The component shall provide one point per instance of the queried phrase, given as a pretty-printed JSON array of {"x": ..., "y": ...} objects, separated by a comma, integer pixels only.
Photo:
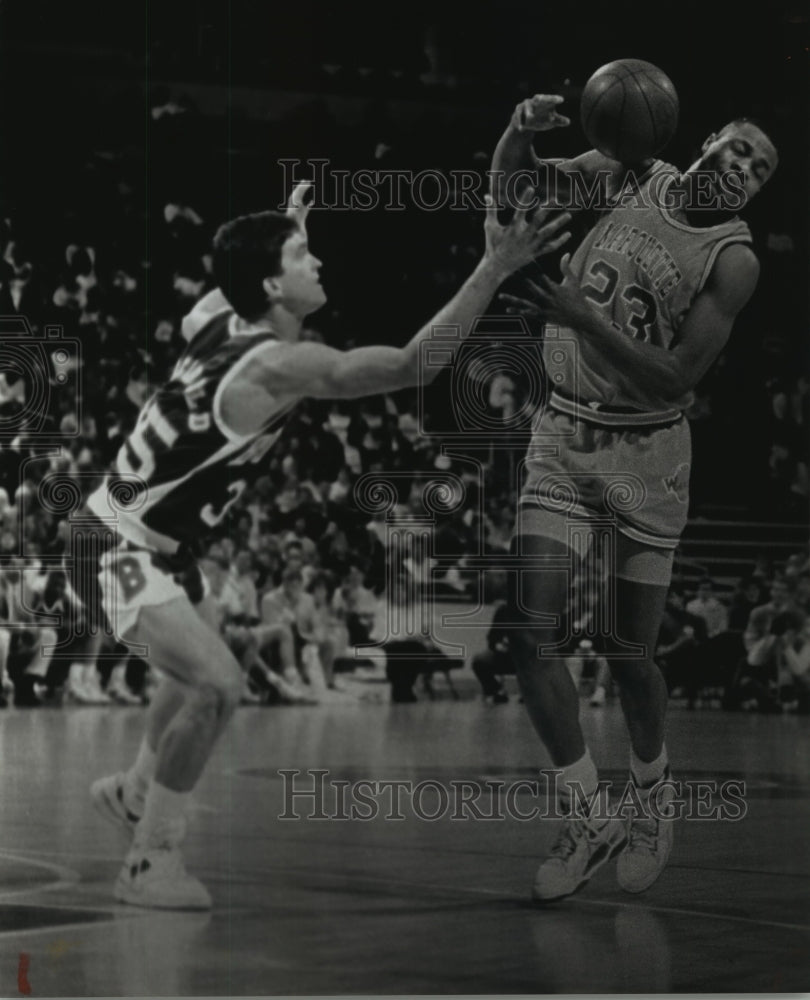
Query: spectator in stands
[
  {"x": 587, "y": 662},
  {"x": 801, "y": 595},
  {"x": 355, "y": 605},
  {"x": 747, "y": 596},
  {"x": 334, "y": 550},
  {"x": 755, "y": 683},
  {"x": 762, "y": 672},
  {"x": 29, "y": 650},
  {"x": 706, "y": 606},
  {"x": 412, "y": 653},
  {"x": 292, "y": 606},
  {"x": 326, "y": 631},
  {"x": 298, "y": 535},
  {"x": 679, "y": 642},
  {"x": 244, "y": 582},
  {"x": 795, "y": 650},
  {"x": 296, "y": 558},
  {"x": 759, "y": 623},
  {"x": 491, "y": 664}
]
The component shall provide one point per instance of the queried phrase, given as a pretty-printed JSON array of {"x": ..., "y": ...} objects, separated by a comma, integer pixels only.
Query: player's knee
[
  {"x": 635, "y": 672},
  {"x": 218, "y": 696},
  {"x": 526, "y": 644}
]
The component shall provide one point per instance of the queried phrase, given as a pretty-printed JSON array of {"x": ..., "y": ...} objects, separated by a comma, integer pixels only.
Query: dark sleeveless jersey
[{"x": 181, "y": 469}]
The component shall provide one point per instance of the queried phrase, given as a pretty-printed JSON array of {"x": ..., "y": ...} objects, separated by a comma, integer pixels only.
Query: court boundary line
[
  {"x": 481, "y": 891},
  {"x": 393, "y": 882}
]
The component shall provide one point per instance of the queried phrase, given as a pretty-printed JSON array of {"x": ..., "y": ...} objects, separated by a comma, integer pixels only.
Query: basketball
[{"x": 629, "y": 110}]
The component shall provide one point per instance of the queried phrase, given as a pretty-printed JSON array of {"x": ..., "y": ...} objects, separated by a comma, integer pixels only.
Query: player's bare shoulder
[
  {"x": 280, "y": 373},
  {"x": 209, "y": 306}
]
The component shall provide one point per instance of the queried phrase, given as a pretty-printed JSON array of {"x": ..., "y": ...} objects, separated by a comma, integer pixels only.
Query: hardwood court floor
[{"x": 393, "y": 907}]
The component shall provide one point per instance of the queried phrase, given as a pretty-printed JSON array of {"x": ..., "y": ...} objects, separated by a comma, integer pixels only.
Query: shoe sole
[
  {"x": 123, "y": 894},
  {"x": 614, "y": 850}
]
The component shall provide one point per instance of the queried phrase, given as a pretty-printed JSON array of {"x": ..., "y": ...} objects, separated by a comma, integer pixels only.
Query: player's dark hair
[
  {"x": 756, "y": 122},
  {"x": 246, "y": 251}
]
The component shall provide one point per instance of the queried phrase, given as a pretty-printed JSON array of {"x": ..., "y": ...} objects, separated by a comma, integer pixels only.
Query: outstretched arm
[
  {"x": 515, "y": 164},
  {"x": 308, "y": 369}
]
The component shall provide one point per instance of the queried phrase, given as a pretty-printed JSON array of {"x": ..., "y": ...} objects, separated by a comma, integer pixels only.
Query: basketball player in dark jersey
[
  {"x": 198, "y": 442},
  {"x": 646, "y": 304}
]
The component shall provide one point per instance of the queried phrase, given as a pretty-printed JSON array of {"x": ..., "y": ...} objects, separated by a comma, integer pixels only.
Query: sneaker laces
[
  {"x": 643, "y": 834},
  {"x": 571, "y": 835}
]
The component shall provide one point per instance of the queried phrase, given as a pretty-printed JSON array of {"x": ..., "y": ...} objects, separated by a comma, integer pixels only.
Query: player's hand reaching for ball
[
  {"x": 299, "y": 204},
  {"x": 562, "y": 303},
  {"x": 525, "y": 237},
  {"x": 539, "y": 114}
]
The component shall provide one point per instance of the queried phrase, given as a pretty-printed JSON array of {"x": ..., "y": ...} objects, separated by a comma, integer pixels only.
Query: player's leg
[
  {"x": 210, "y": 684},
  {"x": 540, "y": 603},
  {"x": 640, "y": 578},
  {"x": 147, "y": 606},
  {"x": 121, "y": 797},
  {"x": 484, "y": 666},
  {"x": 642, "y": 582}
]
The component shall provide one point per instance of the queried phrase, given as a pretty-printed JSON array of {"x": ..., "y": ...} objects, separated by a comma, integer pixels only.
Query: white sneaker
[
  {"x": 93, "y": 690},
  {"x": 157, "y": 878},
  {"x": 121, "y": 694},
  {"x": 76, "y": 692},
  {"x": 598, "y": 697},
  {"x": 107, "y": 795},
  {"x": 649, "y": 840},
  {"x": 581, "y": 849},
  {"x": 250, "y": 697}
]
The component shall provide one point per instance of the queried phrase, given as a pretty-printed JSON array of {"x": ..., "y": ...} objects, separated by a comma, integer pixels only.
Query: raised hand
[
  {"x": 298, "y": 205},
  {"x": 561, "y": 303},
  {"x": 539, "y": 114},
  {"x": 524, "y": 237}
]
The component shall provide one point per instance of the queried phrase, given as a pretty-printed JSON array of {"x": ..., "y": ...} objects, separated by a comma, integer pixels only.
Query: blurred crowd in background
[{"x": 105, "y": 232}]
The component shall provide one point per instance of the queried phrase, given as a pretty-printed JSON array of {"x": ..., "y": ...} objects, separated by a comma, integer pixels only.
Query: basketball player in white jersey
[
  {"x": 197, "y": 443},
  {"x": 649, "y": 299}
]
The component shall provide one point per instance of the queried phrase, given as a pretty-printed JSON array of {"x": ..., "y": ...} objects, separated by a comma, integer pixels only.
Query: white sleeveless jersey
[
  {"x": 181, "y": 469},
  {"x": 641, "y": 269}
]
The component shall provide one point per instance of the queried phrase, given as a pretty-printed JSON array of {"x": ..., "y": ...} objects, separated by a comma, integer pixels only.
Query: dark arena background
[{"x": 130, "y": 132}]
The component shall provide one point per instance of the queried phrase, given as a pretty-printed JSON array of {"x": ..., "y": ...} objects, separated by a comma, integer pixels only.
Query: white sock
[
  {"x": 646, "y": 774},
  {"x": 163, "y": 823},
  {"x": 91, "y": 677},
  {"x": 118, "y": 677},
  {"x": 581, "y": 773},
  {"x": 137, "y": 778}
]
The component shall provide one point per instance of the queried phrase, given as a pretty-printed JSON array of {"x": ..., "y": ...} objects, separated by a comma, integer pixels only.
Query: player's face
[
  {"x": 299, "y": 284},
  {"x": 743, "y": 148}
]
